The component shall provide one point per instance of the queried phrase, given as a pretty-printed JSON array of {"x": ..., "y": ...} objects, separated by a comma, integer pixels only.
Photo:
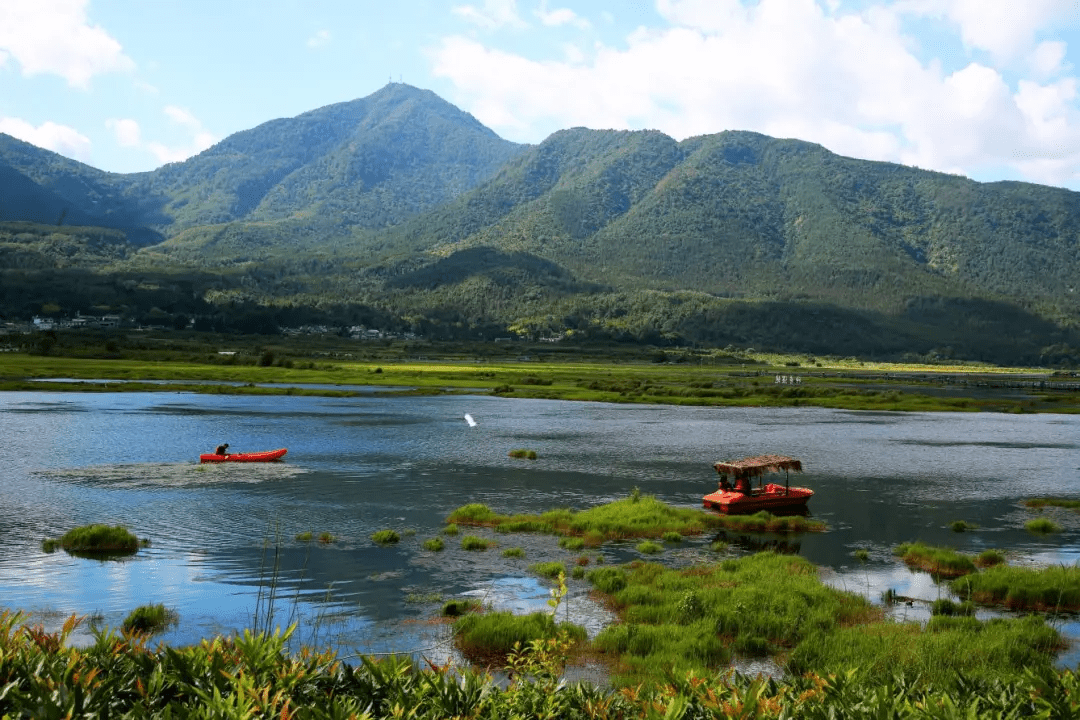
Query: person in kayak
[{"x": 222, "y": 449}]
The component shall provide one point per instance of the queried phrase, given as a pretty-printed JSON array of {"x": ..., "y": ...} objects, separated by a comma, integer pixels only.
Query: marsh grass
[
  {"x": 672, "y": 537},
  {"x": 862, "y": 555},
  {"x": 948, "y": 648},
  {"x": 629, "y": 518},
  {"x": 1050, "y": 589},
  {"x": 938, "y": 561},
  {"x": 450, "y": 529},
  {"x": 989, "y": 558},
  {"x": 149, "y": 619},
  {"x": 304, "y": 537},
  {"x": 514, "y": 552},
  {"x": 1066, "y": 503},
  {"x": 572, "y": 543},
  {"x": 472, "y": 542},
  {"x": 326, "y": 538},
  {"x": 99, "y": 539},
  {"x": 648, "y": 547},
  {"x": 692, "y": 619},
  {"x": 457, "y": 608},
  {"x": 548, "y": 569},
  {"x": 488, "y": 639},
  {"x": 385, "y": 537},
  {"x": 766, "y": 522},
  {"x": 522, "y": 453},
  {"x": 962, "y": 526},
  {"x": 434, "y": 544},
  {"x": 1042, "y": 526}
]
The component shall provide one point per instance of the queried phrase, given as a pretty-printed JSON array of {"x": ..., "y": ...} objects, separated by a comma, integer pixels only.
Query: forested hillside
[{"x": 401, "y": 209}]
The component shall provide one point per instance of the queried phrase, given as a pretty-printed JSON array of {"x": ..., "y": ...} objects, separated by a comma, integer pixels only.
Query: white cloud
[
  {"x": 61, "y": 139},
  {"x": 126, "y": 131},
  {"x": 798, "y": 68},
  {"x": 182, "y": 116},
  {"x": 200, "y": 140},
  {"x": 559, "y": 17},
  {"x": 492, "y": 14},
  {"x": 55, "y": 37},
  {"x": 319, "y": 39}
]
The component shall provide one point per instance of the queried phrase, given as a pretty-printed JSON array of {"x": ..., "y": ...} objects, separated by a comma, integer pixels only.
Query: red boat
[
  {"x": 267, "y": 456},
  {"x": 738, "y": 496}
]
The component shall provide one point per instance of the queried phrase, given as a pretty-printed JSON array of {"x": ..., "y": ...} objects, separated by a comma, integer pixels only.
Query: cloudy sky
[{"x": 985, "y": 88}]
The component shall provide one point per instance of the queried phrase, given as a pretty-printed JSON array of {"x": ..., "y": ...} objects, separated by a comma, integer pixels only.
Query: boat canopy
[{"x": 756, "y": 466}]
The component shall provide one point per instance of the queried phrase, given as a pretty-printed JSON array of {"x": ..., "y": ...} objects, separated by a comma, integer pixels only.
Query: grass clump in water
[
  {"x": 514, "y": 552},
  {"x": 989, "y": 558},
  {"x": 962, "y": 526},
  {"x": 1066, "y": 503},
  {"x": 572, "y": 543},
  {"x": 457, "y": 608},
  {"x": 99, "y": 539},
  {"x": 304, "y": 536},
  {"x": 149, "y": 619},
  {"x": 649, "y": 547},
  {"x": 385, "y": 537},
  {"x": 675, "y": 621},
  {"x": 766, "y": 522},
  {"x": 450, "y": 529},
  {"x": 672, "y": 537},
  {"x": 521, "y": 453},
  {"x": 1042, "y": 526},
  {"x": 326, "y": 538},
  {"x": 548, "y": 569},
  {"x": 943, "y": 562},
  {"x": 434, "y": 544},
  {"x": 862, "y": 554},
  {"x": 1055, "y": 588},
  {"x": 488, "y": 639},
  {"x": 472, "y": 542}
]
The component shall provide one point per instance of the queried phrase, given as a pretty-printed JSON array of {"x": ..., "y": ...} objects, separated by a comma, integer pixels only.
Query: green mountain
[{"x": 400, "y": 207}]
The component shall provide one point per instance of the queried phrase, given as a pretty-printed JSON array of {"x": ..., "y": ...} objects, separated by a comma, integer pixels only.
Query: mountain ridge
[{"x": 401, "y": 202}]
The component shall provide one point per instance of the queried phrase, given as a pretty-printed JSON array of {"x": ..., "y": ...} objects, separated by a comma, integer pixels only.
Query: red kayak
[{"x": 267, "y": 456}]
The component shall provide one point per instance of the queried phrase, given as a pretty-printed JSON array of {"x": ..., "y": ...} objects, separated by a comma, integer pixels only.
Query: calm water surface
[{"x": 223, "y": 536}]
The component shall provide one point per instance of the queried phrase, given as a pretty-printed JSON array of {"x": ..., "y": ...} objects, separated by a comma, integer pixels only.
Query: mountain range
[{"x": 401, "y": 211}]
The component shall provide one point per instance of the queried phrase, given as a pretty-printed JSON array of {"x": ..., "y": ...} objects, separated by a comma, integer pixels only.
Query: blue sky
[{"x": 983, "y": 88}]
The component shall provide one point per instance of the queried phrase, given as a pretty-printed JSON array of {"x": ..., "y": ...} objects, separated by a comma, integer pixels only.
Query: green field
[{"x": 688, "y": 377}]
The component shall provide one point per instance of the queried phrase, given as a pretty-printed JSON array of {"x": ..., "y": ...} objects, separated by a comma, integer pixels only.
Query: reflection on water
[{"x": 224, "y": 550}]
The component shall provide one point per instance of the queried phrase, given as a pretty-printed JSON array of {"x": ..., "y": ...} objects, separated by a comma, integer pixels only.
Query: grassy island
[{"x": 97, "y": 539}]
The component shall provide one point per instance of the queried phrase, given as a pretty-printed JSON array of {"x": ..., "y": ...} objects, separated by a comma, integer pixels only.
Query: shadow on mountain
[{"x": 501, "y": 268}]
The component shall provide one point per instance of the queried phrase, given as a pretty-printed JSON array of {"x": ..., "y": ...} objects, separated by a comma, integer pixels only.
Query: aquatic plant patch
[
  {"x": 692, "y": 619},
  {"x": 1067, "y": 503},
  {"x": 385, "y": 537},
  {"x": 98, "y": 538},
  {"x": 1042, "y": 526},
  {"x": 1050, "y": 589},
  {"x": 943, "y": 562},
  {"x": 766, "y": 522},
  {"x": 487, "y": 639},
  {"x": 149, "y": 619}
]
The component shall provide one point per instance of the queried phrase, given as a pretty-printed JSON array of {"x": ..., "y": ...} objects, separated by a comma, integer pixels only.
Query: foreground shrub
[{"x": 252, "y": 675}]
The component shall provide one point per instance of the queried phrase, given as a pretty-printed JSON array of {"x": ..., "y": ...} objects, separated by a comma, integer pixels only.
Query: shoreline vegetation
[{"x": 703, "y": 378}]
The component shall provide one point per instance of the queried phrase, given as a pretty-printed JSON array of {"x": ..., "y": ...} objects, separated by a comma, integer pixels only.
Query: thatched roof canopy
[{"x": 755, "y": 466}]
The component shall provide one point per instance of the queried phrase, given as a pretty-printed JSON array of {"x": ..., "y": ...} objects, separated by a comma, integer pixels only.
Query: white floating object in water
[{"x": 468, "y": 419}]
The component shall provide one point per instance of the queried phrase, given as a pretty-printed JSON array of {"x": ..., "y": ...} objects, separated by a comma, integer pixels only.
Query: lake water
[{"x": 223, "y": 537}]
